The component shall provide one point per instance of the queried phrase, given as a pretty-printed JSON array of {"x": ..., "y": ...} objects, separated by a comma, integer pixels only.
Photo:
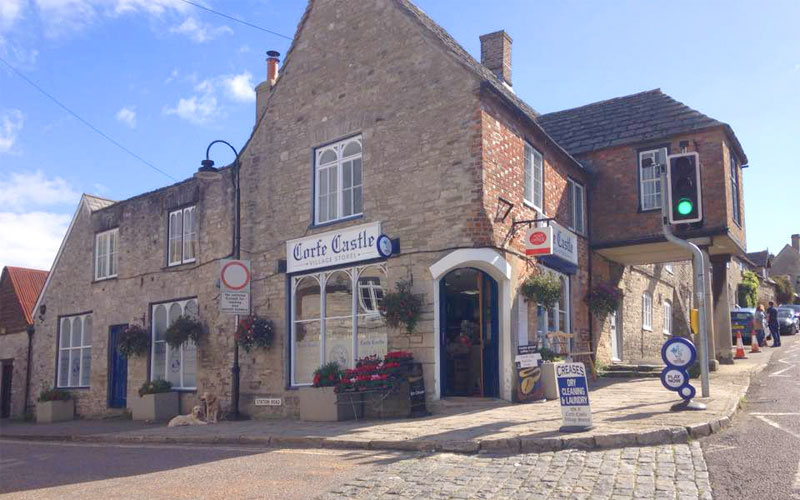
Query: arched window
[
  {"x": 338, "y": 181},
  {"x": 178, "y": 366}
]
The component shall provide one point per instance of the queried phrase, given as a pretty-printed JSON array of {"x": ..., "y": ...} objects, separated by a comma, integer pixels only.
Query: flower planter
[
  {"x": 48, "y": 412},
  {"x": 159, "y": 406},
  {"x": 549, "y": 382},
  {"x": 322, "y": 404}
]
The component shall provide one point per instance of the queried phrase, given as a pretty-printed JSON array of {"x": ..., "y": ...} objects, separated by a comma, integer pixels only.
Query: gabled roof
[
  {"x": 92, "y": 203},
  {"x": 760, "y": 259},
  {"x": 27, "y": 284},
  {"x": 623, "y": 120}
]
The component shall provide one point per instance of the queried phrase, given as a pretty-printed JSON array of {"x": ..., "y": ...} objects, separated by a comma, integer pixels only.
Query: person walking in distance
[
  {"x": 758, "y": 324},
  {"x": 774, "y": 327}
]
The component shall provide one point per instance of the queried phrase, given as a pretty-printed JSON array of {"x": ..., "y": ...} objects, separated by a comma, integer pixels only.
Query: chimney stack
[
  {"x": 496, "y": 54},
  {"x": 796, "y": 242},
  {"x": 263, "y": 88}
]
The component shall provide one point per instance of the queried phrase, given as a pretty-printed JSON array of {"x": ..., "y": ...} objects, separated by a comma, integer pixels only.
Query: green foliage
[
  {"x": 184, "y": 328},
  {"x": 133, "y": 341},
  {"x": 785, "y": 293},
  {"x": 549, "y": 355},
  {"x": 328, "y": 375},
  {"x": 402, "y": 307},
  {"x": 53, "y": 395},
  {"x": 603, "y": 299},
  {"x": 542, "y": 288},
  {"x": 748, "y": 289},
  {"x": 254, "y": 331},
  {"x": 155, "y": 387}
]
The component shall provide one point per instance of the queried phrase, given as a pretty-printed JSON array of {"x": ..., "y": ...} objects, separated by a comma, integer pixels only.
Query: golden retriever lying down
[{"x": 190, "y": 419}]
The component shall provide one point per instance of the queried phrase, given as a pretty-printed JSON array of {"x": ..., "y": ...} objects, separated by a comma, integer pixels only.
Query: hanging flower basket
[
  {"x": 133, "y": 341},
  {"x": 402, "y": 307},
  {"x": 254, "y": 331},
  {"x": 327, "y": 375},
  {"x": 542, "y": 288},
  {"x": 603, "y": 299},
  {"x": 184, "y": 328}
]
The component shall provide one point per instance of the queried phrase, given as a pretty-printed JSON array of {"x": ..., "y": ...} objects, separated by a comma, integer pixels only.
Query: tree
[
  {"x": 785, "y": 293},
  {"x": 748, "y": 289}
]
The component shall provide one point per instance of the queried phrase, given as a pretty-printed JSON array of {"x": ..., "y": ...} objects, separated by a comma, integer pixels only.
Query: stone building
[
  {"x": 19, "y": 288},
  {"x": 787, "y": 263},
  {"x": 416, "y": 164}
]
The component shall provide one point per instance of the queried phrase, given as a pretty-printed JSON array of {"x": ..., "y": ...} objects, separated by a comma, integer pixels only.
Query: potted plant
[
  {"x": 319, "y": 403},
  {"x": 603, "y": 299},
  {"x": 54, "y": 405},
  {"x": 402, "y": 307},
  {"x": 254, "y": 331},
  {"x": 133, "y": 341},
  {"x": 184, "y": 328},
  {"x": 156, "y": 401},
  {"x": 549, "y": 383}
]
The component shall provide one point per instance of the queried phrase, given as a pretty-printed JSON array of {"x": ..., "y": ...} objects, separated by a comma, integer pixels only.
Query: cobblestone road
[{"x": 659, "y": 472}]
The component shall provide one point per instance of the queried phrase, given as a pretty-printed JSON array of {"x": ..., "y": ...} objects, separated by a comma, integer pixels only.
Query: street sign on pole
[{"x": 234, "y": 284}]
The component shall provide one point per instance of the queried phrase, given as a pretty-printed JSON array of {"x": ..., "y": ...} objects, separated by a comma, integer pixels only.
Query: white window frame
[
  {"x": 667, "y": 310},
  {"x": 668, "y": 268},
  {"x": 70, "y": 350},
  {"x": 185, "y": 236},
  {"x": 735, "y": 200},
  {"x": 647, "y": 312},
  {"x": 339, "y": 164},
  {"x": 167, "y": 350},
  {"x": 658, "y": 190},
  {"x": 578, "y": 199},
  {"x": 106, "y": 254},
  {"x": 534, "y": 178},
  {"x": 544, "y": 316},
  {"x": 322, "y": 277}
]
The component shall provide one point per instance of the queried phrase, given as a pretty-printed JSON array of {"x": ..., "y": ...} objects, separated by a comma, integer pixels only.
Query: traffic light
[{"x": 684, "y": 200}]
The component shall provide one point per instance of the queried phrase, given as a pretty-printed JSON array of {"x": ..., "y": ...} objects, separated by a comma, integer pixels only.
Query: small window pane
[
  {"x": 159, "y": 322},
  {"x": 357, "y": 172},
  {"x": 352, "y": 148},
  {"x": 189, "y": 234},
  {"x": 190, "y": 364},
  {"x": 77, "y": 331},
  {"x": 63, "y": 368},
  {"x": 66, "y": 328},
  {"x": 87, "y": 331},
  {"x": 348, "y": 202},
  {"x": 86, "y": 361},
  {"x": 159, "y": 360},
  {"x": 347, "y": 173},
  {"x": 329, "y": 156},
  {"x": 174, "y": 366},
  {"x": 174, "y": 312},
  {"x": 357, "y": 202},
  {"x": 74, "y": 367}
]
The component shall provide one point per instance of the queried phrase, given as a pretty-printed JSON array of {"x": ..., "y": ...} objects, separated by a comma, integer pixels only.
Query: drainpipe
[
  {"x": 589, "y": 251},
  {"x": 31, "y": 330}
]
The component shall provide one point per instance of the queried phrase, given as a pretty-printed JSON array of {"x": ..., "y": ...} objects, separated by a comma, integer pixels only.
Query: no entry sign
[{"x": 234, "y": 284}]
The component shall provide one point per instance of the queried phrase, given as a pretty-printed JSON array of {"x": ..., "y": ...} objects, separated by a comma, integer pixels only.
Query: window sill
[
  {"x": 668, "y": 334},
  {"x": 107, "y": 278},
  {"x": 181, "y": 264},
  {"x": 647, "y": 329},
  {"x": 648, "y": 210},
  {"x": 534, "y": 207},
  {"x": 178, "y": 389},
  {"x": 332, "y": 222},
  {"x": 77, "y": 388}
]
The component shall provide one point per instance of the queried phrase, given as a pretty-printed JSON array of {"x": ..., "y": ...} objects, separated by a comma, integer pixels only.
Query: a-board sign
[
  {"x": 573, "y": 394},
  {"x": 678, "y": 354},
  {"x": 234, "y": 285},
  {"x": 416, "y": 391}
]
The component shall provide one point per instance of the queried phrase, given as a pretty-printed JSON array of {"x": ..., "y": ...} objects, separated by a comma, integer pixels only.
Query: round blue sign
[
  {"x": 384, "y": 246},
  {"x": 678, "y": 352}
]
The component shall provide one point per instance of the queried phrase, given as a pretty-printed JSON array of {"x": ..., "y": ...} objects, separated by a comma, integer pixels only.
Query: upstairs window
[
  {"x": 667, "y": 317},
  {"x": 668, "y": 268},
  {"x": 647, "y": 311},
  {"x": 650, "y": 163},
  {"x": 338, "y": 183},
  {"x": 105, "y": 254},
  {"x": 534, "y": 178},
  {"x": 74, "y": 351},
  {"x": 577, "y": 205},
  {"x": 735, "y": 190},
  {"x": 182, "y": 236}
]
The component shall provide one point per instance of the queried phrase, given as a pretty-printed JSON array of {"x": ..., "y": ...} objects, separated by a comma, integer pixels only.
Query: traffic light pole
[{"x": 699, "y": 269}]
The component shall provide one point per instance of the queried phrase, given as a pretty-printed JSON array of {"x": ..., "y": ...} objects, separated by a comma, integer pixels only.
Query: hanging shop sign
[
  {"x": 234, "y": 284},
  {"x": 573, "y": 393},
  {"x": 333, "y": 248},
  {"x": 554, "y": 240}
]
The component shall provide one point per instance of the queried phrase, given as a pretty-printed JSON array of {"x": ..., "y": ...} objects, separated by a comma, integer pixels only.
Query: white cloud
[
  {"x": 127, "y": 116},
  {"x": 43, "y": 232},
  {"x": 240, "y": 87},
  {"x": 153, "y": 7},
  {"x": 63, "y": 17},
  {"x": 199, "y": 108},
  {"x": 10, "y": 12},
  {"x": 21, "y": 191},
  {"x": 10, "y": 125},
  {"x": 199, "y": 31}
]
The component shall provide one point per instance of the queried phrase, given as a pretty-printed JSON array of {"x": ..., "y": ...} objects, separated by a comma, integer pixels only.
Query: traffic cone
[
  {"x": 754, "y": 343},
  {"x": 739, "y": 346}
]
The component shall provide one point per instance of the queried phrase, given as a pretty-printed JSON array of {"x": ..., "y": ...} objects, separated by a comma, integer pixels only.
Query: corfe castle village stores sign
[{"x": 333, "y": 248}]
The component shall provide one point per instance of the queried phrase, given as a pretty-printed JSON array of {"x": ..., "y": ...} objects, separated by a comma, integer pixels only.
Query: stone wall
[{"x": 14, "y": 348}]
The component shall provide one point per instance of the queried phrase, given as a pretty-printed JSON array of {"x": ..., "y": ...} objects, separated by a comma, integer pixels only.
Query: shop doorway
[
  {"x": 5, "y": 389},
  {"x": 469, "y": 334},
  {"x": 117, "y": 370}
]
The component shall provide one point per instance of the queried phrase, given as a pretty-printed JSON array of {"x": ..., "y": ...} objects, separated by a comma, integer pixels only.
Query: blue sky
[{"x": 165, "y": 78}]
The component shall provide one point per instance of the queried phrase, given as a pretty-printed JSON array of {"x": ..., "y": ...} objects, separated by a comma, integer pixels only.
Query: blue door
[
  {"x": 117, "y": 369},
  {"x": 469, "y": 334}
]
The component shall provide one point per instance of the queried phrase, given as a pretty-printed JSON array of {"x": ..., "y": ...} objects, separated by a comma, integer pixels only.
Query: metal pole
[
  {"x": 698, "y": 266},
  {"x": 235, "y": 370}
]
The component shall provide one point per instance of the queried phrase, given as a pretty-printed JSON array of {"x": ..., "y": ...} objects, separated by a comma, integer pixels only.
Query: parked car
[
  {"x": 793, "y": 307},
  {"x": 742, "y": 321},
  {"x": 788, "y": 321}
]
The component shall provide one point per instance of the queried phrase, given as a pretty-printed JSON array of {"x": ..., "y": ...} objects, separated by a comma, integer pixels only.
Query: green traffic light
[{"x": 685, "y": 206}]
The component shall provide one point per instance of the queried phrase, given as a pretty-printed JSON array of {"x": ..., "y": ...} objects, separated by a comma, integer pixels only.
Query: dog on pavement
[
  {"x": 211, "y": 404},
  {"x": 191, "y": 419}
]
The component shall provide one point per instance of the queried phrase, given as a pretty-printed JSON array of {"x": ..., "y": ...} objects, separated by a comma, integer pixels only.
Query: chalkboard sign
[
  {"x": 529, "y": 374},
  {"x": 416, "y": 390}
]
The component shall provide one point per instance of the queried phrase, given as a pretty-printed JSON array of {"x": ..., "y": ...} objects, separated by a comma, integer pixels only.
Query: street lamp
[{"x": 207, "y": 170}]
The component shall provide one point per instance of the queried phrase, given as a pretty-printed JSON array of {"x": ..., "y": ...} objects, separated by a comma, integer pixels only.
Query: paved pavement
[
  {"x": 64, "y": 471},
  {"x": 759, "y": 455},
  {"x": 661, "y": 472},
  {"x": 626, "y": 412}
]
